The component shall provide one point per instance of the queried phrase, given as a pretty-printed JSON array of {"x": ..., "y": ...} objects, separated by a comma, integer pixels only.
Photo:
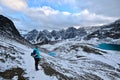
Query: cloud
[
  {"x": 66, "y": 13},
  {"x": 101, "y": 7},
  {"x": 48, "y": 11},
  {"x": 87, "y": 18},
  {"x": 61, "y": 2},
  {"x": 47, "y": 18},
  {"x": 88, "y": 13},
  {"x": 57, "y": 2},
  {"x": 14, "y": 4},
  {"x": 0, "y": 8}
]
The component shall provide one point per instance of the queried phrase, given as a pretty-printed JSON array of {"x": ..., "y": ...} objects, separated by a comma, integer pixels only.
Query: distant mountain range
[
  {"x": 101, "y": 32},
  {"x": 45, "y": 36},
  {"x": 110, "y": 31}
]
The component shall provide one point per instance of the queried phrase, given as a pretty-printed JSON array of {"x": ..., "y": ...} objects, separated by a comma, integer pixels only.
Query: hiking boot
[{"x": 37, "y": 69}]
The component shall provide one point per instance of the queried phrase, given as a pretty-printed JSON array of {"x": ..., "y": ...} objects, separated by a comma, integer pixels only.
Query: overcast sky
[{"x": 59, "y": 14}]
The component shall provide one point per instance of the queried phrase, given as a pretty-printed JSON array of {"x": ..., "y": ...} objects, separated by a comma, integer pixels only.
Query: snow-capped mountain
[
  {"x": 74, "y": 60},
  {"x": 91, "y": 29},
  {"x": 107, "y": 31},
  {"x": 101, "y": 32},
  {"x": 32, "y": 35},
  {"x": 45, "y": 36}
]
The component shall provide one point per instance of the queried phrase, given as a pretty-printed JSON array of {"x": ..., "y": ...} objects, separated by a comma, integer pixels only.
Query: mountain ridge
[
  {"x": 102, "y": 32},
  {"x": 107, "y": 31},
  {"x": 45, "y": 36},
  {"x": 7, "y": 27},
  {"x": 8, "y": 30}
]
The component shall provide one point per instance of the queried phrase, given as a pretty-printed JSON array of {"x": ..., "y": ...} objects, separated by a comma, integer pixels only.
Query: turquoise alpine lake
[
  {"x": 109, "y": 46},
  {"x": 52, "y": 54}
]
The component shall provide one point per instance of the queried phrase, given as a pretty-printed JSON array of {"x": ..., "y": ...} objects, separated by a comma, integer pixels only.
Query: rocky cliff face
[
  {"x": 8, "y": 30},
  {"x": 7, "y": 27}
]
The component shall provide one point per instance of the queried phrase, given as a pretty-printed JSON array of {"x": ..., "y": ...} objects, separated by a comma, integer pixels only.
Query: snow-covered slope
[
  {"x": 76, "y": 60},
  {"x": 16, "y": 62}
]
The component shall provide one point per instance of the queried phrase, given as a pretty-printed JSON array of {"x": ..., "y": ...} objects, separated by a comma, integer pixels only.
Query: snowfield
[
  {"x": 16, "y": 55},
  {"x": 74, "y": 60},
  {"x": 80, "y": 60}
]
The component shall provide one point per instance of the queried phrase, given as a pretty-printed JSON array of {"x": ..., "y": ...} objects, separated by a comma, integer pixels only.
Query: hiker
[{"x": 36, "y": 55}]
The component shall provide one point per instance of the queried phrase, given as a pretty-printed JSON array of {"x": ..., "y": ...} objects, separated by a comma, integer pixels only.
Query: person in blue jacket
[{"x": 36, "y": 55}]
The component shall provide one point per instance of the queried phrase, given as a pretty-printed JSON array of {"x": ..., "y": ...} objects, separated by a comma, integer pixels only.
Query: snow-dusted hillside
[
  {"x": 16, "y": 62},
  {"x": 74, "y": 60},
  {"x": 77, "y": 60}
]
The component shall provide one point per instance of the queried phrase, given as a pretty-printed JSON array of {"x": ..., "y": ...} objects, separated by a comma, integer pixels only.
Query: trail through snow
[
  {"x": 27, "y": 64},
  {"x": 30, "y": 69}
]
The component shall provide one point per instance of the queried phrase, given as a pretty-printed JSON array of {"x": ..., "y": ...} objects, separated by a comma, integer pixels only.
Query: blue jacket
[{"x": 37, "y": 53}]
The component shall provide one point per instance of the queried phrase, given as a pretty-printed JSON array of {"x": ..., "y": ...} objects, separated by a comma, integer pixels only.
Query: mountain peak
[
  {"x": 34, "y": 31},
  {"x": 45, "y": 35},
  {"x": 7, "y": 27},
  {"x": 117, "y": 21}
]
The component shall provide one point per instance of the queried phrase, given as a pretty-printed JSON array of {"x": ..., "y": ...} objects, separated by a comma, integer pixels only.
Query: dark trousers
[{"x": 36, "y": 63}]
